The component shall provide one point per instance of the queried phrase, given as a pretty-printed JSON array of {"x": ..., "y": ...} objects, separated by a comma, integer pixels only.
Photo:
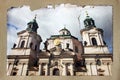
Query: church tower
[
  {"x": 93, "y": 38},
  {"x": 23, "y": 56},
  {"x": 97, "y": 57}
]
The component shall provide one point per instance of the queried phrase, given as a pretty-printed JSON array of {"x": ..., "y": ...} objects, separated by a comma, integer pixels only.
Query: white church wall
[
  {"x": 19, "y": 52},
  {"x": 96, "y": 50},
  {"x": 19, "y": 72},
  {"x": 94, "y": 69}
]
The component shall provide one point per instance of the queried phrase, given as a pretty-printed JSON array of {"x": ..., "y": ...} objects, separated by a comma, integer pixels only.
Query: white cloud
[{"x": 52, "y": 19}]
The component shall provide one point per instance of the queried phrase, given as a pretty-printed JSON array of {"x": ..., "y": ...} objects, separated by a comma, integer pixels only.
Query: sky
[{"x": 51, "y": 19}]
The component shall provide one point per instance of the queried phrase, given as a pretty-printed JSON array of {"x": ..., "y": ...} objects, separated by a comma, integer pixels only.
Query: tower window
[
  {"x": 67, "y": 45},
  {"x": 14, "y": 45},
  {"x": 85, "y": 43},
  {"x": 63, "y": 33},
  {"x": 89, "y": 22},
  {"x": 94, "y": 42},
  {"x": 22, "y": 44}
]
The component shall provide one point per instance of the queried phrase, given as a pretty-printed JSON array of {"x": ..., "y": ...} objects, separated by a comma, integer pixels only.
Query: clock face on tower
[{"x": 57, "y": 42}]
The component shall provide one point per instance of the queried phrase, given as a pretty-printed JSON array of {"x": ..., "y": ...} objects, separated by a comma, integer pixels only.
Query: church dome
[
  {"x": 64, "y": 31},
  {"x": 89, "y": 22}
]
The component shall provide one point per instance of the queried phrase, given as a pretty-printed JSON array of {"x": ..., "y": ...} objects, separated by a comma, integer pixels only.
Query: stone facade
[{"x": 63, "y": 54}]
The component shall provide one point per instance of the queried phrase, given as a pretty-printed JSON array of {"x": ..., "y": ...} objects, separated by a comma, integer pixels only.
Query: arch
[
  {"x": 67, "y": 45},
  {"x": 56, "y": 72},
  {"x": 94, "y": 42},
  {"x": 22, "y": 44}
]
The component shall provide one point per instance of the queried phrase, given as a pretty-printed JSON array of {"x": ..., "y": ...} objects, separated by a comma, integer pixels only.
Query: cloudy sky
[{"x": 53, "y": 18}]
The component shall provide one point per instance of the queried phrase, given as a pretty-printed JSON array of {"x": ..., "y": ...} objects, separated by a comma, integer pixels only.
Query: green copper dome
[{"x": 89, "y": 22}]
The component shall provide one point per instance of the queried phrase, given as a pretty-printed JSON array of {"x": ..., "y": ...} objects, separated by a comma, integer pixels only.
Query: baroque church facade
[{"x": 63, "y": 54}]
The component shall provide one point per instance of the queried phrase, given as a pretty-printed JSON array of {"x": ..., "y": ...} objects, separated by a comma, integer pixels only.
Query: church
[{"x": 63, "y": 54}]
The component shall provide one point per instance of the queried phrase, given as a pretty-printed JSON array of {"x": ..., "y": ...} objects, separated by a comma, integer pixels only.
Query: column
[
  {"x": 88, "y": 69},
  {"x": 46, "y": 69},
  {"x": 24, "y": 71},
  {"x": 19, "y": 40},
  {"x": 39, "y": 71},
  {"x": 8, "y": 65},
  {"x": 88, "y": 36},
  {"x": 109, "y": 69},
  {"x": 10, "y": 69},
  {"x": 71, "y": 65},
  {"x": 64, "y": 70},
  {"x": 101, "y": 39},
  {"x": 27, "y": 43},
  {"x": 19, "y": 69}
]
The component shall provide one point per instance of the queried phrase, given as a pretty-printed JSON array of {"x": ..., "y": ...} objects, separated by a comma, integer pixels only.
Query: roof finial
[
  {"x": 64, "y": 26},
  {"x": 35, "y": 16}
]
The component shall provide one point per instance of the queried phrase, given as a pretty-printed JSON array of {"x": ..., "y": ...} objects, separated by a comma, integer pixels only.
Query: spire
[
  {"x": 86, "y": 13},
  {"x": 32, "y": 25},
  {"x": 89, "y": 22},
  {"x": 35, "y": 17}
]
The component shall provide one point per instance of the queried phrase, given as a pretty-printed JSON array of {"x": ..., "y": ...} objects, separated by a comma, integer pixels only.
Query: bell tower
[
  {"x": 96, "y": 54},
  {"x": 93, "y": 38},
  {"x": 23, "y": 55}
]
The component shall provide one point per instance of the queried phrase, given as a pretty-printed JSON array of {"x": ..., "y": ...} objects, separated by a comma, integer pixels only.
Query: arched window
[
  {"x": 63, "y": 33},
  {"x": 22, "y": 44},
  {"x": 56, "y": 72},
  {"x": 14, "y": 45},
  {"x": 67, "y": 45},
  {"x": 94, "y": 42}
]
